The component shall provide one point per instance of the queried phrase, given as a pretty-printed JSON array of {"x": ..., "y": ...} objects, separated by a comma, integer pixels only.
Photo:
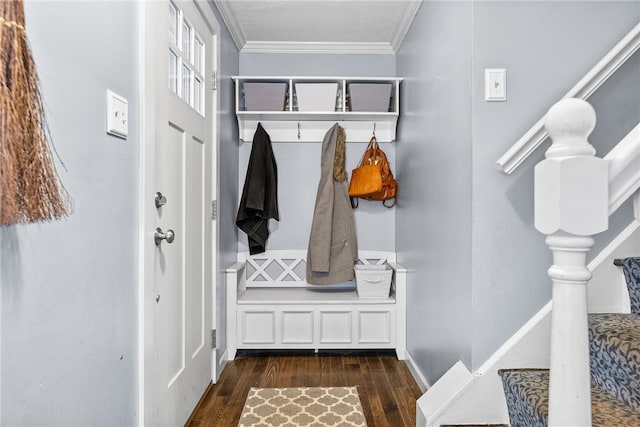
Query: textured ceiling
[{"x": 347, "y": 26}]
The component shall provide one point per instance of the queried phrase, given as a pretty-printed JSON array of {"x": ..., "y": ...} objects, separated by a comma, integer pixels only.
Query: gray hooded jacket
[{"x": 333, "y": 247}]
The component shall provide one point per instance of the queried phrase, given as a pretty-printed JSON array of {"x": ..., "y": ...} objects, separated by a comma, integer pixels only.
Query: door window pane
[
  {"x": 186, "y": 84},
  {"x": 186, "y": 63},
  {"x": 186, "y": 40},
  {"x": 173, "y": 24},
  {"x": 197, "y": 95},
  {"x": 173, "y": 71},
  {"x": 198, "y": 52}
]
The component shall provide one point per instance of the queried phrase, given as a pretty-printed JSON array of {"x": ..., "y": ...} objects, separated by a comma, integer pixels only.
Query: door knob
[
  {"x": 159, "y": 236},
  {"x": 160, "y": 200}
]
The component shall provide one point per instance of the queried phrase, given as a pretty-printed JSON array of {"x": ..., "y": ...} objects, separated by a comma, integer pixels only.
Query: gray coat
[{"x": 333, "y": 247}]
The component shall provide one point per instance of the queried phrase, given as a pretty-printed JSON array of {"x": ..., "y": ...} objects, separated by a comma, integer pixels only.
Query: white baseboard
[
  {"x": 416, "y": 372},
  {"x": 222, "y": 362},
  {"x": 462, "y": 397},
  {"x": 607, "y": 290}
]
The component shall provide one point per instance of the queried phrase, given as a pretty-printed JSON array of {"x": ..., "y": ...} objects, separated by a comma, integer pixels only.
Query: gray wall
[
  {"x": 433, "y": 228},
  {"x": 69, "y": 288},
  {"x": 299, "y": 163},
  {"x": 475, "y": 256}
]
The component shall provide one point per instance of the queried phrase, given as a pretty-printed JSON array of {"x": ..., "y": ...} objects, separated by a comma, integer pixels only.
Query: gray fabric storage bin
[
  {"x": 264, "y": 96},
  {"x": 370, "y": 96}
]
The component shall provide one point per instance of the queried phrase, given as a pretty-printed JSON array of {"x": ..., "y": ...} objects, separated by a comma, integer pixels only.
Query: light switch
[
  {"x": 117, "y": 115},
  {"x": 495, "y": 84}
]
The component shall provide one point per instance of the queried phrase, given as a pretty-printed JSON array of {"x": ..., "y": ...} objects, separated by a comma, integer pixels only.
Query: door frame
[{"x": 148, "y": 27}]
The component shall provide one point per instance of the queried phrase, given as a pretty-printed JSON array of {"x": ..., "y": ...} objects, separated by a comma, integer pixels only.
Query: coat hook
[
  {"x": 298, "y": 131},
  {"x": 374, "y": 128}
]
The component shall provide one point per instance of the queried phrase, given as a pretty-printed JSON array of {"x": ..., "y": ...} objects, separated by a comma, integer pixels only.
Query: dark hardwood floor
[{"x": 387, "y": 390}]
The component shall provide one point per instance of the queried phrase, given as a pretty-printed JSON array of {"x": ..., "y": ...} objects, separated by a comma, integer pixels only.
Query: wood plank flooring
[{"x": 387, "y": 390}]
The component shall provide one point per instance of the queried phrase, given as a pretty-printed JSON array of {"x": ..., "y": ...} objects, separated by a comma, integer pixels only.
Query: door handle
[
  {"x": 160, "y": 200},
  {"x": 159, "y": 236}
]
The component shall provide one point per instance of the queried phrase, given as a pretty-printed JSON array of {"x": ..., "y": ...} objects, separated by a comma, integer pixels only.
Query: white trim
[
  {"x": 317, "y": 47},
  {"x": 624, "y": 169},
  {"x": 607, "y": 290},
  {"x": 462, "y": 397},
  {"x": 252, "y": 46},
  {"x": 144, "y": 151},
  {"x": 405, "y": 23},
  {"x": 607, "y": 252},
  {"x": 222, "y": 362},
  {"x": 530, "y": 325},
  {"x": 442, "y": 394},
  {"x": 417, "y": 374},
  {"x": 608, "y": 65},
  {"x": 232, "y": 24},
  {"x": 206, "y": 11}
]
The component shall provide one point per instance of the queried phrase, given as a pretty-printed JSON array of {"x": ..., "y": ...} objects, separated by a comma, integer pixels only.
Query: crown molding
[
  {"x": 317, "y": 47},
  {"x": 404, "y": 25},
  {"x": 231, "y": 22}
]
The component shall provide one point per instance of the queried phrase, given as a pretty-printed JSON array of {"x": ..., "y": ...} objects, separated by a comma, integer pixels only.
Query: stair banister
[
  {"x": 571, "y": 205},
  {"x": 591, "y": 81},
  {"x": 624, "y": 169}
]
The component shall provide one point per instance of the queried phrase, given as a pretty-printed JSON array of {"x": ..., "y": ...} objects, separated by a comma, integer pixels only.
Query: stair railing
[
  {"x": 591, "y": 81},
  {"x": 571, "y": 205},
  {"x": 624, "y": 172}
]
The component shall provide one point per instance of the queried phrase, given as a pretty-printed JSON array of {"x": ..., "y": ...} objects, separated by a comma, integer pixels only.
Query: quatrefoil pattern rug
[{"x": 303, "y": 406}]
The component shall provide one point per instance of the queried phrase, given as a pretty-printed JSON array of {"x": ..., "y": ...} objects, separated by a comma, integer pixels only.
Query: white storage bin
[
  {"x": 316, "y": 96},
  {"x": 373, "y": 97},
  {"x": 264, "y": 96},
  {"x": 373, "y": 281}
]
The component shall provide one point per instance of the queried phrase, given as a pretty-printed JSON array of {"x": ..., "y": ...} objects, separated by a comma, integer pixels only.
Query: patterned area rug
[{"x": 303, "y": 406}]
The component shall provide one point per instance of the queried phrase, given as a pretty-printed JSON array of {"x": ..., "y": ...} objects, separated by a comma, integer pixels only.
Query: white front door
[{"x": 179, "y": 290}]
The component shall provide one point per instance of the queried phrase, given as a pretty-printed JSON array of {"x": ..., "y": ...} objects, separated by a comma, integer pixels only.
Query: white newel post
[{"x": 571, "y": 205}]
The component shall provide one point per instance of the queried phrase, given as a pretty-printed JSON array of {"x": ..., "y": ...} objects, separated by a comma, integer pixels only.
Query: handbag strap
[
  {"x": 373, "y": 145},
  {"x": 354, "y": 202}
]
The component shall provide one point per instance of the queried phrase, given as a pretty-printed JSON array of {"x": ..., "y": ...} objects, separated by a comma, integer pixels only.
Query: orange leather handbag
[{"x": 372, "y": 179}]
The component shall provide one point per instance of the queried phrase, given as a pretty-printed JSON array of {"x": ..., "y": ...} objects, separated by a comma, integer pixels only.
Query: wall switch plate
[
  {"x": 117, "y": 115},
  {"x": 495, "y": 84}
]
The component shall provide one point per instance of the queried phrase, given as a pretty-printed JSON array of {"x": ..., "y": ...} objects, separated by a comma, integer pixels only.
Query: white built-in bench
[{"x": 270, "y": 306}]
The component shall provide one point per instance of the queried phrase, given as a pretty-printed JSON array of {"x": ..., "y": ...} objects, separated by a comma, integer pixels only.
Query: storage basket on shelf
[
  {"x": 316, "y": 96},
  {"x": 373, "y": 281},
  {"x": 372, "y": 97},
  {"x": 264, "y": 96}
]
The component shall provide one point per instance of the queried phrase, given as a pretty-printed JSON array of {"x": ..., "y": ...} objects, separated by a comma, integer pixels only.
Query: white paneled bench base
[{"x": 271, "y": 307}]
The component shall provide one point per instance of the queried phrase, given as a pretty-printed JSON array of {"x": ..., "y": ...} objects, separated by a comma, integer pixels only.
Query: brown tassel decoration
[{"x": 30, "y": 189}]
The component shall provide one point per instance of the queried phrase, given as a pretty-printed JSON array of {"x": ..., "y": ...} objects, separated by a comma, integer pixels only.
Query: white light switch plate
[
  {"x": 117, "y": 115},
  {"x": 495, "y": 84}
]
